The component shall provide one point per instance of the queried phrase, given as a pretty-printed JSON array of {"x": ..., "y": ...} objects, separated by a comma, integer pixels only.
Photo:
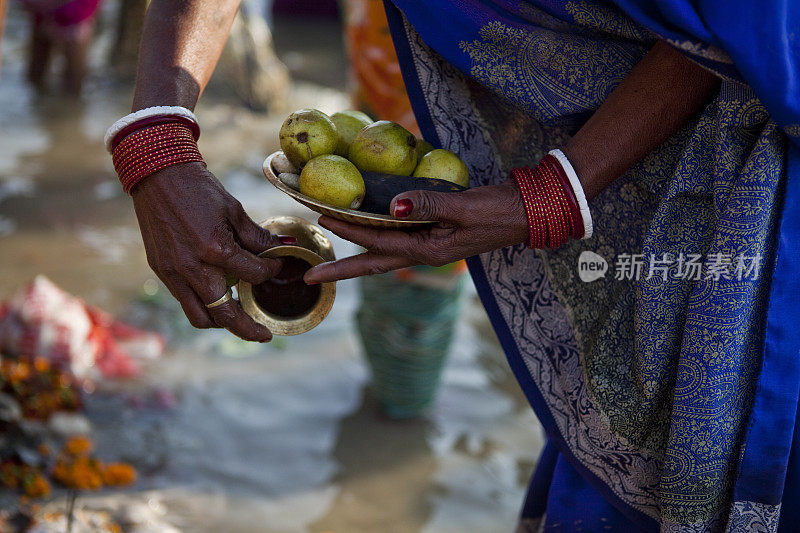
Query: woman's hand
[
  {"x": 468, "y": 223},
  {"x": 195, "y": 233}
]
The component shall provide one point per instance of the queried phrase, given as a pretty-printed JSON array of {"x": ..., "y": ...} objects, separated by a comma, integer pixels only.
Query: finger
[
  {"x": 255, "y": 239},
  {"x": 365, "y": 264},
  {"x": 210, "y": 286},
  {"x": 191, "y": 304},
  {"x": 251, "y": 236},
  {"x": 231, "y": 280},
  {"x": 238, "y": 262},
  {"x": 192, "y": 307},
  {"x": 244, "y": 265},
  {"x": 384, "y": 241},
  {"x": 231, "y": 317},
  {"x": 428, "y": 205}
]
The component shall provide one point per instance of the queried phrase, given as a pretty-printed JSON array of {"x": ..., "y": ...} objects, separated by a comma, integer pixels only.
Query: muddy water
[{"x": 279, "y": 437}]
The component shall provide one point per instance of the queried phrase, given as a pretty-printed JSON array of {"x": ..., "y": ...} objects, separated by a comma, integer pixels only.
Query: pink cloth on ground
[
  {"x": 41, "y": 320},
  {"x": 67, "y": 21},
  {"x": 62, "y": 13}
]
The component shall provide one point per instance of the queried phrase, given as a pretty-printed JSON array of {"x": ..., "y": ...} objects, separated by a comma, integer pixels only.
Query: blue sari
[{"x": 670, "y": 394}]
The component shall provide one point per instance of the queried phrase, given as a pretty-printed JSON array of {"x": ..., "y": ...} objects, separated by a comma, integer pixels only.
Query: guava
[
  {"x": 443, "y": 165},
  {"x": 306, "y": 134},
  {"x": 333, "y": 180},
  {"x": 348, "y": 124},
  {"x": 384, "y": 147},
  {"x": 423, "y": 147}
]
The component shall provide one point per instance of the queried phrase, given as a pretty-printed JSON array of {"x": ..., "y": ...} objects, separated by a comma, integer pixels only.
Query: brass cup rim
[{"x": 287, "y": 326}]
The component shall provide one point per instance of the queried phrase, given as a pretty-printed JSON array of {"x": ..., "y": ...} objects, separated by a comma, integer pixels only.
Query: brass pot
[{"x": 291, "y": 307}]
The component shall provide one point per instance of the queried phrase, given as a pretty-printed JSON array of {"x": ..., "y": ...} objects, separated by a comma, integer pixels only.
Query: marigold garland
[{"x": 42, "y": 389}]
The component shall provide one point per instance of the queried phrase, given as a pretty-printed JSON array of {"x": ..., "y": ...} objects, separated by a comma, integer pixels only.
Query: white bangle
[
  {"x": 577, "y": 188},
  {"x": 127, "y": 120}
]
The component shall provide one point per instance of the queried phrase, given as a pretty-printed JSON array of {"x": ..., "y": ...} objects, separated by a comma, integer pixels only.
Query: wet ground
[{"x": 279, "y": 437}]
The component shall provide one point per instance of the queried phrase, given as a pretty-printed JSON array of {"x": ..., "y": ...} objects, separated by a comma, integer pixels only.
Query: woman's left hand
[{"x": 467, "y": 223}]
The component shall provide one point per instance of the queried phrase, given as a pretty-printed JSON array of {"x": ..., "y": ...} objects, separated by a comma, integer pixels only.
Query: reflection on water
[
  {"x": 281, "y": 437},
  {"x": 387, "y": 468},
  {"x": 287, "y": 440}
]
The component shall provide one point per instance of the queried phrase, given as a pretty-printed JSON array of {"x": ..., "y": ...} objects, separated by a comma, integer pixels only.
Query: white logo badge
[{"x": 591, "y": 266}]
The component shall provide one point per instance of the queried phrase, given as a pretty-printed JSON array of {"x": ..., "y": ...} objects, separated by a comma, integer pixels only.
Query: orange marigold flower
[
  {"x": 36, "y": 487},
  {"x": 19, "y": 371},
  {"x": 78, "y": 446},
  {"x": 82, "y": 473},
  {"x": 41, "y": 364},
  {"x": 117, "y": 474},
  {"x": 61, "y": 472}
]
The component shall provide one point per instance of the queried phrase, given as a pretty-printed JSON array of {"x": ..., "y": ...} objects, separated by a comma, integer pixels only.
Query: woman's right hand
[{"x": 195, "y": 233}]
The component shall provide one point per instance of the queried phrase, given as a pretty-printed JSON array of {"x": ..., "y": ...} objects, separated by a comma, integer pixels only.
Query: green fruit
[
  {"x": 306, "y": 134},
  {"x": 348, "y": 124},
  {"x": 333, "y": 180},
  {"x": 423, "y": 147},
  {"x": 443, "y": 165},
  {"x": 385, "y": 147}
]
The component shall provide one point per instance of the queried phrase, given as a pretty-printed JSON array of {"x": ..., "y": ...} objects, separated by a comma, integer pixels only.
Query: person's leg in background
[
  {"x": 68, "y": 26},
  {"x": 76, "y": 44},
  {"x": 73, "y": 26},
  {"x": 40, "y": 51}
]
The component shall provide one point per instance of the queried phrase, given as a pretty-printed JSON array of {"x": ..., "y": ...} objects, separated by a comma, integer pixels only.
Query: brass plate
[
  {"x": 347, "y": 215},
  {"x": 281, "y": 325}
]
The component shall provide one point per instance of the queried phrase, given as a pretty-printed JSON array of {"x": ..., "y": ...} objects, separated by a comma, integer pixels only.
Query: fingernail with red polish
[
  {"x": 403, "y": 208},
  {"x": 287, "y": 239}
]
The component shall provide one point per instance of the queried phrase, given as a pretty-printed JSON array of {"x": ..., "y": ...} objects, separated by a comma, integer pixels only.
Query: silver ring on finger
[{"x": 223, "y": 299}]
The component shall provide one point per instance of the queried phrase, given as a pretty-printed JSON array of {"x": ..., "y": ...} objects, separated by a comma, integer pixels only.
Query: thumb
[
  {"x": 256, "y": 240},
  {"x": 425, "y": 205}
]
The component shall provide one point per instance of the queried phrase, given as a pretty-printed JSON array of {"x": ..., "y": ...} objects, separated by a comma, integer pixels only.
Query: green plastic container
[{"x": 406, "y": 330}]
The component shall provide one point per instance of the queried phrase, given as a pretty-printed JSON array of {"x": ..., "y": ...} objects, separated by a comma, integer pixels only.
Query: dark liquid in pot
[{"x": 287, "y": 295}]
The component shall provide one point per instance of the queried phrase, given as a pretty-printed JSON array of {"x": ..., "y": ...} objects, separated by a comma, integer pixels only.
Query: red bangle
[
  {"x": 536, "y": 218},
  {"x": 550, "y": 204},
  {"x": 543, "y": 200},
  {"x": 154, "y": 121},
  {"x": 558, "y": 192},
  {"x": 558, "y": 219},
  {"x": 572, "y": 201},
  {"x": 151, "y": 149},
  {"x": 563, "y": 191}
]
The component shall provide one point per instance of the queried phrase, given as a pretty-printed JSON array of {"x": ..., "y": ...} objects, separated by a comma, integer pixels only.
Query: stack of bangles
[
  {"x": 150, "y": 140},
  {"x": 554, "y": 201}
]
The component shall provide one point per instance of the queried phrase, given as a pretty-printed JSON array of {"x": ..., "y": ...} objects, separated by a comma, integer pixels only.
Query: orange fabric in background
[{"x": 377, "y": 84}]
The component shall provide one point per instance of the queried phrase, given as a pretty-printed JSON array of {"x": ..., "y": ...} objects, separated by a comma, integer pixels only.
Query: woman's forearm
[
  {"x": 659, "y": 95},
  {"x": 181, "y": 44}
]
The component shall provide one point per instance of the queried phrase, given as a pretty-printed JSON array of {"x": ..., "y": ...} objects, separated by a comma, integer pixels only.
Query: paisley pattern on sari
[{"x": 646, "y": 386}]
